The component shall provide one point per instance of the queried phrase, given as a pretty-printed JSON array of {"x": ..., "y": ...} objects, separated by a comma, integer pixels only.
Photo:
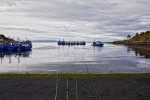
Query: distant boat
[
  {"x": 98, "y": 44},
  {"x": 61, "y": 42},
  {"x": 71, "y": 43},
  {"x": 82, "y": 43}
]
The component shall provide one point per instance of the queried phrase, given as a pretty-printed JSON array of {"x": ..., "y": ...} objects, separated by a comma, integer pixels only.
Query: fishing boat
[
  {"x": 26, "y": 45},
  {"x": 1, "y": 48},
  {"x": 10, "y": 47},
  {"x": 1, "y": 45},
  {"x": 18, "y": 46},
  {"x": 61, "y": 42},
  {"x": 82, "y": 43},
  {"x": 98, "y": 44}
]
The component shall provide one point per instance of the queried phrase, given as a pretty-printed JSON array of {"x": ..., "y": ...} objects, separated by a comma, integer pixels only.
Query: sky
[{"x": 105, "y": 20}]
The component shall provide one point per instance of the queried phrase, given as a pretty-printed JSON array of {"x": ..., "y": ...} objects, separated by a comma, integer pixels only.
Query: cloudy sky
[{"x": 105, "y": 20}]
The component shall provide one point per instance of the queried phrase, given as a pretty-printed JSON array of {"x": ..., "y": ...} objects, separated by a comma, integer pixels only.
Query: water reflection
[
  {"x": 140, "y": 51},
  {"x": 9, "y": 55},
  {"x": 51, "y": 58}
]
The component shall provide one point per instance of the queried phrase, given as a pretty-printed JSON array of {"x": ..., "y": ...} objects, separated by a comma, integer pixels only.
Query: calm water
[{"x": 50, "y": 58}]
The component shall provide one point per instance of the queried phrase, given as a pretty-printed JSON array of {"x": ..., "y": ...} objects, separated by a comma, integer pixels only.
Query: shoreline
[
  {"x": 82, "y": 76},
  {"x": 131, "y": 43}
]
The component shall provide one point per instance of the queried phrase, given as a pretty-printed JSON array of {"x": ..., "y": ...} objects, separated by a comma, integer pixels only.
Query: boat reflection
[
  {"x": 140, "y": 51},
  {"x": 9, "y": 55}
]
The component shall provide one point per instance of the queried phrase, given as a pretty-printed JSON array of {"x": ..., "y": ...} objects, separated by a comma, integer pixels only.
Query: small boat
[
  {"x": 98, "y": 44},
  {"x": 1, "y": 48},
  {"x": 10, "y": 47},
  {"x": 82, "y": 43},
  {"x": 18, "y": 46},
  {"x": 1, "y": 45},
  {"x": 24, "y": 46},
  {"x": 61, "y": 42}
]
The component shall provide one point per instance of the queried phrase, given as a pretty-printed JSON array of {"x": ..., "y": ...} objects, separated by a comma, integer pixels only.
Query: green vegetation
[
  {"x": 142, "y": 37},
  {"x": 82, "y": 76}
]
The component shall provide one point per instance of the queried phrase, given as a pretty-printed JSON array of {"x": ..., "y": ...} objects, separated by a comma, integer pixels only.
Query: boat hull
[
  {"x": 61, "y": 43},
  {"x": 98, "y": 45},
  {"x": 25, "y": 48},
  {"x": 1, "y": 48},
  {"x": 18, "y": 48},
  {"x": 11, "y": 48}
]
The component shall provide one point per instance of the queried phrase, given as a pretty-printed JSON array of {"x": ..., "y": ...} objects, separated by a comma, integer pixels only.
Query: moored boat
[
  {"x": 1, "y": 48},
  {"x": 61, "y": 42},
  {"x": 82, "y": 43},
  {"x": 10, "y": 47},
  {"x": 24, "y": 46},
  {"x": 1, "y": 45},
  {"x": 27, "y": 45},
  {"x": 98, "y": 44}
]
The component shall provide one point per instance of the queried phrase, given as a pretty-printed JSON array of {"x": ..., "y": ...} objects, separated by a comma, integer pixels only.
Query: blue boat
[
  {"x": 18, "y": 47},
  {"x": 1, "y": 46},
  {"x": 61, "y": 42},
  {"x": 82, "y": 43},
  {"x": 25, "y": 46},
  {"x": 1, "y": 49},
  {"x": 98, "y": 44},
  {"x": 10, "y": 47}
]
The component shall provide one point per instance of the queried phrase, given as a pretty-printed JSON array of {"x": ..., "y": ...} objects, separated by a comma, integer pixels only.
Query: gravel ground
[{"x": 67, "y": 89}]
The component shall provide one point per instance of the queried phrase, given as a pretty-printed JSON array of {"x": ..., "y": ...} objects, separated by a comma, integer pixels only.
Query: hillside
[
  {"x": 142, "y": 37},
  {"x": 5, "y": 39}
]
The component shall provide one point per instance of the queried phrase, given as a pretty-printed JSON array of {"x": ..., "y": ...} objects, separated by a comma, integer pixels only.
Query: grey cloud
[
  {"x": 115, "y": 17},
  {"x": 23, "y": 29}
]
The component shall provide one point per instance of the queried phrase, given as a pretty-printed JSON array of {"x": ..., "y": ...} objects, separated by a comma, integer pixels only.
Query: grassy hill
[
  {"x": 5, "y": 39},
  {"x": 142, "y": 37}
]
